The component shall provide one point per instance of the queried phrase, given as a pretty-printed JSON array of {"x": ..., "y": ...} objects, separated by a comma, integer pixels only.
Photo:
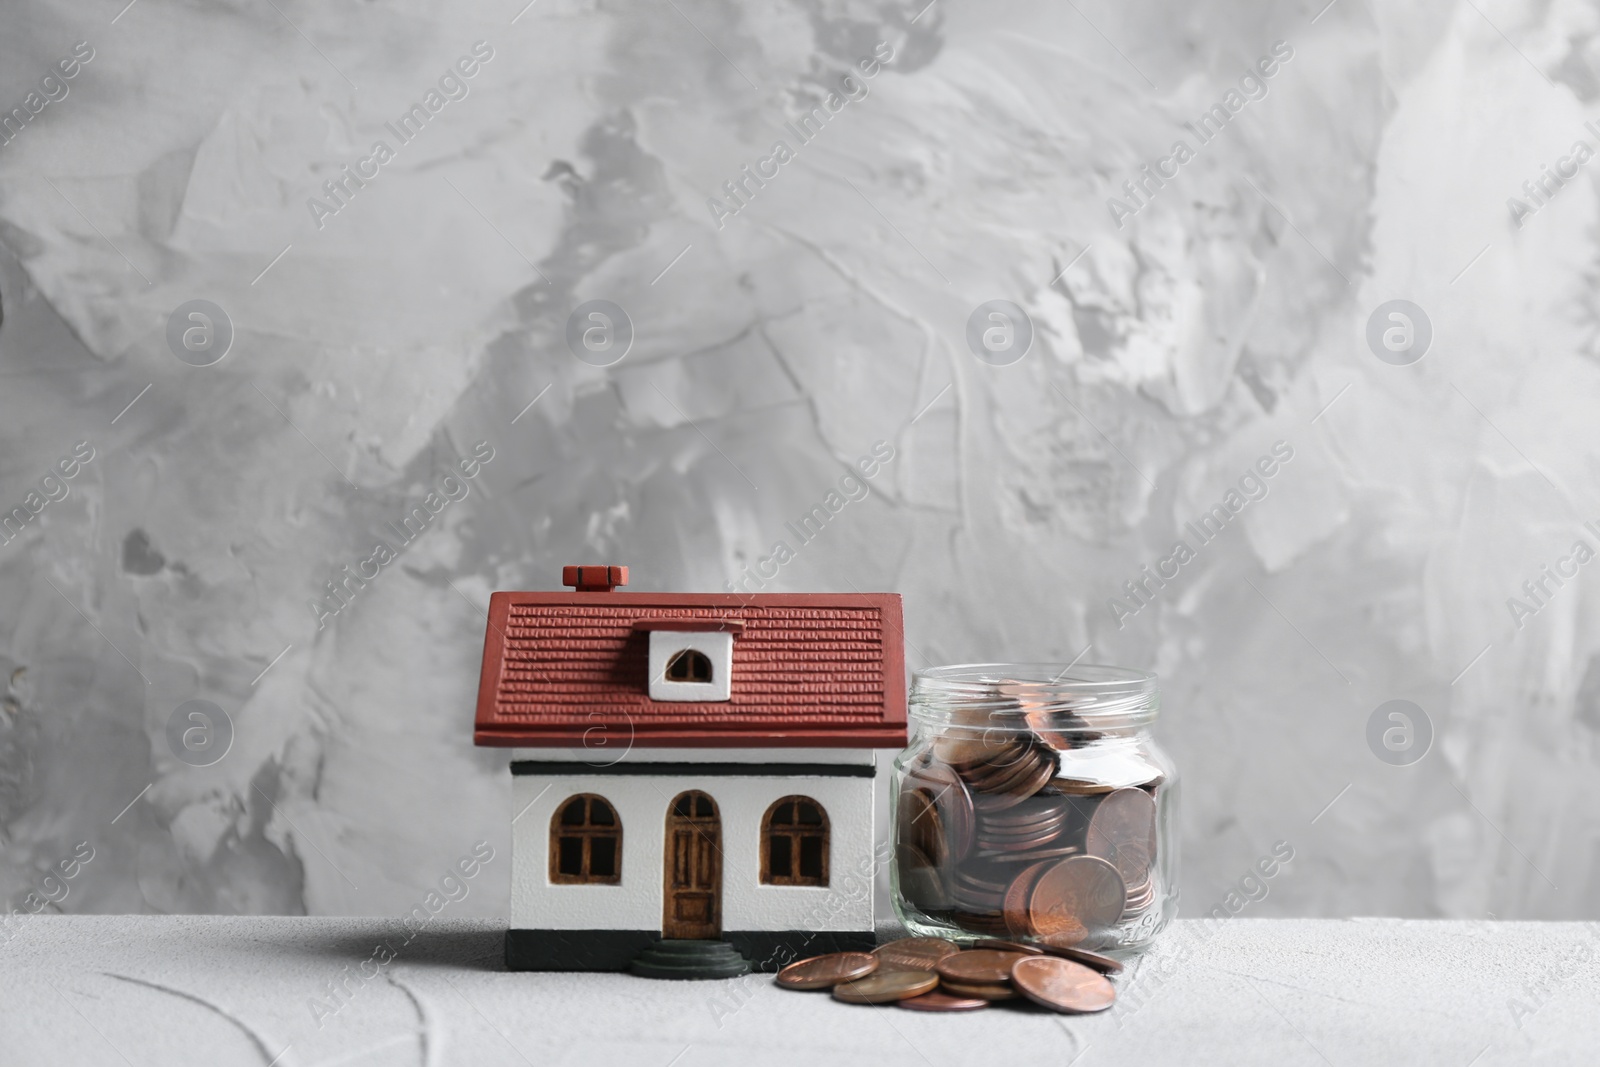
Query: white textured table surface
[{"x": 159, "y": 990}]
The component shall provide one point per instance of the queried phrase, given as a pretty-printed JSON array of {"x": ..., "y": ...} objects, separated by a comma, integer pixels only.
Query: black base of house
[{"x": 613, "y": 950}]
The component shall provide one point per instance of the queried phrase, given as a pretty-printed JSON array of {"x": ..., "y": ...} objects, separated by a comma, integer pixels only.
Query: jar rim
[
  {"x": 1004, "y": 694},
  {"x": 1098, "y": 678}
]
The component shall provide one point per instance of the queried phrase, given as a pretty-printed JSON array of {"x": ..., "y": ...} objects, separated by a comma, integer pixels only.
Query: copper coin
[
  {"x": 919, "y": 880},
  {"x": 1017, "y": 842},
  {"x": 1123, "y": 830},
  {"x": 823, "y": 972},
  {"x": 1042, "y": 775},
  {"x": 998, "y": 801},
  {"x": 1058, "y": 727},
  {"x": 1019, "y": 793},
  {"x": 1068, "y": 936},
  {"x": 992, "y": 831},
  {"x": 881, "y": 987},
  {"x": 1033, "y": 814},
  {"x": 1062, "y": 985},
  {"x": 963, "y": 886},
  {"x": 915, "y": 953},
  {"x": 969, "y": 877},
  {"x": 921, "y": 826},
  {"x": 1014, "y": 906},
  {"x": 1007, "y": 946},
  {"x": 1080, "y": 788},
  {"x": 986, "y": 922},
  {"x": 1103, "y": 964},
  {"x": 1132, "y": 862},
  {"x": 979, "y": 965},
  {"x": 953, "y": 803},
  {"x": 973, "y": 744},
  {"x": 937, "y": 1001},
  {"x": 915, "y": 806},
  {"x": 999, "y": 777},
  {"x": 1139, "y": 899},
  {"x": 994, "y": 851},
  {"x": 980, "y": 991},
  {"x": 1081, "y": 891},
  {"x": 1031, "y": 855},
  {"x": 913, "y": 802},
  {"x": 988, "y": 828}
]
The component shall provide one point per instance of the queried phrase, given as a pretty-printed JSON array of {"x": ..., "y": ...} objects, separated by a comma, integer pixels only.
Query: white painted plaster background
[{"x": 827, "y": 315}]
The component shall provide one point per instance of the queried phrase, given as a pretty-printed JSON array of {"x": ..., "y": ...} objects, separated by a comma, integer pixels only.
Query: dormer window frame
[{"x": 713, "y": 643}]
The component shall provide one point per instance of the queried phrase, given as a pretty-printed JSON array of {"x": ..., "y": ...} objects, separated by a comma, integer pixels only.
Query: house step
[{"x": 689, "y": 959}]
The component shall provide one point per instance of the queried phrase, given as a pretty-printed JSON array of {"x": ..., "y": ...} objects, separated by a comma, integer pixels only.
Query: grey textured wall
[{"x": 1177, "y": 332}]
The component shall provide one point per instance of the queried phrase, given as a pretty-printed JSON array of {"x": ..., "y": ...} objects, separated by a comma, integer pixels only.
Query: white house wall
[
  {"x": 641, "y": 803},
  {"x": 601, "y": 757}
]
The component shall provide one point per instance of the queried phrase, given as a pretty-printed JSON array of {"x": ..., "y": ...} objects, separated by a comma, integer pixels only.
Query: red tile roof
[{"x": 809, "y": 670}]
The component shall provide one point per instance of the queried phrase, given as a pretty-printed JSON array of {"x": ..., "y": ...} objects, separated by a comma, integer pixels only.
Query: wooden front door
[{"x": 693, "y": 905}]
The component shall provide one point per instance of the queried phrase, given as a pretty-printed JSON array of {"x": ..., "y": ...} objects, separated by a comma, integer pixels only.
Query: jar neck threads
[{"x": 1078, "y": 701}]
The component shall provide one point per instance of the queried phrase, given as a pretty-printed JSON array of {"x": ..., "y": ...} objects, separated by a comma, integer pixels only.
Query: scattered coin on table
[
  {"x": 825, "y": 972},
  {"x": 985, "y": 965},
  {"x": 1103, "y": 964},
  {"x": 1007, "y": 946},
  {"x": 938, "y": 1001},
  {"x": 915, "y": 953},
  {"x": 1062, "y": 985},
  {"x": 884, "y": 987},
  {"x": 933, "y": 974},
  {"x": 985, "y": 991}
]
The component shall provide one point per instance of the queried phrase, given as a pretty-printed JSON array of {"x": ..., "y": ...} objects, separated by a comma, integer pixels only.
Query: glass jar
[{"x": 1033, "y": 805}]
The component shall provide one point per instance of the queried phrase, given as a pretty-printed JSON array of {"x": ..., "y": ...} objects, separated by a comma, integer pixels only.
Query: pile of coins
[
  {"x": 1033, "y": 832},
  {"x": 932, "y": 974}
]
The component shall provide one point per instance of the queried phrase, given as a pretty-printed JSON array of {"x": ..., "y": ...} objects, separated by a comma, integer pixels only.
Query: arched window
[
  {"x": 794, "y": 843},
  {"x": 585, "y": 842},
  {"x": 689, "y": 665},
  {"x": 694, "y": 805}
]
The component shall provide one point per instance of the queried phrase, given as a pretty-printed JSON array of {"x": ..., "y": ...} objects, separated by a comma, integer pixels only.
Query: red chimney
[{"x": 594, "y": 579}]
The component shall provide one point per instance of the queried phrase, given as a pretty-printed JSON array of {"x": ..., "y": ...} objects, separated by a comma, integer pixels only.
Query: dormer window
[{"x": 689, "y": 666}]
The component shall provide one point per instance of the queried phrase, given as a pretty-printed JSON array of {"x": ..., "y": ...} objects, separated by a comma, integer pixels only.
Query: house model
[{"x": 693, "y": 774}]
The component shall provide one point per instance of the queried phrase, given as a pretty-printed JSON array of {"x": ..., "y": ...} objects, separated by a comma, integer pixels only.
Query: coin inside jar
[
  {"x": 1081, "y": 787},
  {"x": 824, "y": 972},
  {"x": 921, "y": 827},
  {"x": 1067, "y": 935},
  {"x": 915, "y": 953},
  {"x": 1051, "y": 796},
  {"x": 1058, "y": 727},
  {"x": 951, "y": 801},
  {"x": 920, "y": 880},
  {"x": 1123, "y": 830},
  {"x": 1014, "y": 906},
  {"x": 1062, "y": 985},
  {"x": 972, "y": 739},
  {"x": 1031, "y": 855},
  {"x": 1079, "y": 891},
  {"x": 882, "y": 987}
]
